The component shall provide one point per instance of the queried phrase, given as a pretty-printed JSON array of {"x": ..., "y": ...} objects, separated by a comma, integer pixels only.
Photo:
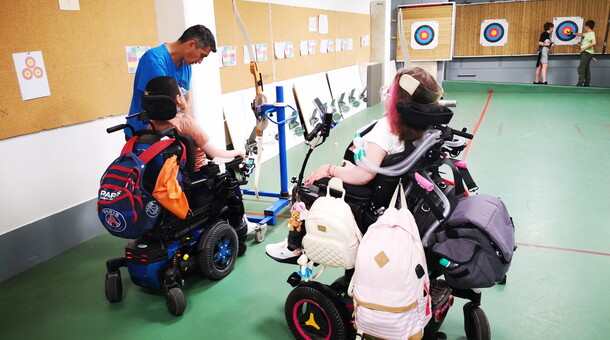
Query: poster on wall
[
  {"x": 564, "y": 27},
  {"x": 424, "y": 35},
  {"x": 494, "y": 32},
  {"x": 31, "y": 74},
  {"x": 133, "y": 55}
]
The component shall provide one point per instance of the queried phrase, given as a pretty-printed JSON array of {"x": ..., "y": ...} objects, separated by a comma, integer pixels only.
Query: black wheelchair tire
[
  {"x": 306, "y": 299},
  {"x": 218, "y": 250},
  {"x": 476, "y": 324},
  {"x": 175, "y": 301},
  {"x": 114, "y": 289}
]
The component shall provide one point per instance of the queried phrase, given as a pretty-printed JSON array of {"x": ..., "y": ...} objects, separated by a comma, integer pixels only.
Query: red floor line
[
  {"x": 257, "y": 214},
  {"x": 474, "y": 132},
  {"x": 563, "y": 249}
]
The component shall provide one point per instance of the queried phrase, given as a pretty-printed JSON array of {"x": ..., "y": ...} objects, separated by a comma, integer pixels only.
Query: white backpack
[
  {"x": 390, "y": 285},
  {"x": 332, "y": 235}
]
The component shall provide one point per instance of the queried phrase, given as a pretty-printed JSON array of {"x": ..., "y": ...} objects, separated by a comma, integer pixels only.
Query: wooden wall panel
[
  {"x": 84, "y": 56},
  {"x": 269, "y": 23},
  {"x": 441, "y": 13},
  {"x": 525, "y": 20}
]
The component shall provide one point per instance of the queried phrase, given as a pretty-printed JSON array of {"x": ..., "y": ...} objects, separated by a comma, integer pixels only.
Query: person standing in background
[
  {"x": 173, "y": 60},
  {"x": 586, "y": 53},
  {"x": 544, "y": 49}
]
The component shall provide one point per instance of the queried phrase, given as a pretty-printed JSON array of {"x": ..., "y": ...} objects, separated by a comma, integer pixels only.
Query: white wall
[{"x": 48, "y": 172}]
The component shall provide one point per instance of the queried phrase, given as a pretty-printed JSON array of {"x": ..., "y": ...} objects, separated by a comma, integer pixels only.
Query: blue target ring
[
  {"x": 564, "y": 30},
  {"x": 424, "y": 35},
  {"x": 494, "y": 32}
]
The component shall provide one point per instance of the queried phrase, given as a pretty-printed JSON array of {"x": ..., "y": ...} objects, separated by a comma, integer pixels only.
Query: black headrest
[
  {"x": 423, "y": 115},
  {"x": 158, "y": 107}
]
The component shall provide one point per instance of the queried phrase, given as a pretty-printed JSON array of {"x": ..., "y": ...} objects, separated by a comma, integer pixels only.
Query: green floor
[{"x": 542, "y": 150}]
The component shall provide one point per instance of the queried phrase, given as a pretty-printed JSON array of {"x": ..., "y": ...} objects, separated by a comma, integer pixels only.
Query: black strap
[{"x": 427, "y": 197}]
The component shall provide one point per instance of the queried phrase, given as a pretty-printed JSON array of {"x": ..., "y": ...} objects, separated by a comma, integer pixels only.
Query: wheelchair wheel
[
  {"x": 312, "y": 315},
  {"x": 114, "y": 288},
  {"x": 175, "y": 301},
  {"x": 218, "y": 250},
  {"x": 476, "y": 324}
]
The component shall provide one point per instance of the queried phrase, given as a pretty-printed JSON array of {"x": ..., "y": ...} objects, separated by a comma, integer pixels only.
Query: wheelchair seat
[{"x": 208, "y": 191}]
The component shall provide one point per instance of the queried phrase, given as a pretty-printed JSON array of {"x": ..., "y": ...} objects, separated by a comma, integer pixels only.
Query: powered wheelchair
[
  {"x": 208, "y": 240},
  {"x": 314, "y": 310}
]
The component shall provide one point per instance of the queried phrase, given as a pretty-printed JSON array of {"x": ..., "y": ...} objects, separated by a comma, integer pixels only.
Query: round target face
[
  {"x": 27, "y": 74},
  {"x": 564, "y": 30},
  {"x": 30, "y": 62},
  {"x": 493, "y": 32},
  {"x": 38, "y": 72},
  {"x": 424, "y": 35}
]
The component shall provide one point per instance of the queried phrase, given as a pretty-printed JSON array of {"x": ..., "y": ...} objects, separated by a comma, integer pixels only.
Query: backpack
[
  {"x": 390, "y": 285},
  {"x": 124, "y": 206},
  {"x": 477, "y": 244},
  {"x": 332, "y": 235}
]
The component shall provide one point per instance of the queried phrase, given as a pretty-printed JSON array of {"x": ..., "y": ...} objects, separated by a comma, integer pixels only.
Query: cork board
[
  {"x": 525, "y": 21},
  {"x": 270, "y": 23},
  {"x": 441, "y": 13},
  {"x": 84, "y": 56}
]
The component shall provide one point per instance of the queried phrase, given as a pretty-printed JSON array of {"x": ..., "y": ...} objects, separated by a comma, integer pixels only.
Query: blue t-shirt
[{"x": 154, "y": 63}]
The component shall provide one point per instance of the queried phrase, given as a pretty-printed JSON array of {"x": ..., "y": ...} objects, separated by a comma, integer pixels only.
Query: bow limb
[{"x": 259, "y": 100}]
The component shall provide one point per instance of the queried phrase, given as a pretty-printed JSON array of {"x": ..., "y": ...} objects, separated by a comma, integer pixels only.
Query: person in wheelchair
[
  {"x": 412, "y": 91},
  {"x": 204, "y": 149}
]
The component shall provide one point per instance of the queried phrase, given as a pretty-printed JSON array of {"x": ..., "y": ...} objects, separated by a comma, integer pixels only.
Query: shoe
[
  {"x": 544, "y": 83},
  {"x": 252, "y": 226},
  {"x": 536, "y": 82},
  {"x": 281, "y": 253},
  {"x": 580, "y": 84},
  {"x": 587, "y": 85}
]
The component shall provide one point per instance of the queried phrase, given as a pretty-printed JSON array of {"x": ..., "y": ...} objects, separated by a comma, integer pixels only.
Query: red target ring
[
  {"x": 27, "y": 74},
  {"x": 30, "y": 62},
  {"x": 38, "y": 72}
]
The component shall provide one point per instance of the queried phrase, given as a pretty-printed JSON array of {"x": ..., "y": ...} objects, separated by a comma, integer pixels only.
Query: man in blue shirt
[{"x": 173, "y": 60}]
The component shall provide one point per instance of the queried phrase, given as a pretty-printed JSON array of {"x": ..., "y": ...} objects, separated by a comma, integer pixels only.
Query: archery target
[
  {"x": 30, "y": 62},
  {"x": 563, "y": 27},
  {"x": 27, "y": 73},
  {"x": 494, "y": 32},
  {"x": 38, "y": 72},
  {"x": 424, "y": 35}
]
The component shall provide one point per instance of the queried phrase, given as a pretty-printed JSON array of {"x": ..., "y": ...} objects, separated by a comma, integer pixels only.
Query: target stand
[{"x": 283, "y": 197}]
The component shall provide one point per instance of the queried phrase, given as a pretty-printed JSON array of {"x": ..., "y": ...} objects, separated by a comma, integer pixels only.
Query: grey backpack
[{"x": 477, "y": 244}]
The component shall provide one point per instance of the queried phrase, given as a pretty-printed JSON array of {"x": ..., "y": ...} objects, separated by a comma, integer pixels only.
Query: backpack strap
[
  {"x": 155, "y": 149},
  {"x": 128, "y": 147}
]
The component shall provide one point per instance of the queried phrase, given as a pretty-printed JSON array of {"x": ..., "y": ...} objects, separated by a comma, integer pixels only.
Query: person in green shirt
[{"x": 586, "y": 53}]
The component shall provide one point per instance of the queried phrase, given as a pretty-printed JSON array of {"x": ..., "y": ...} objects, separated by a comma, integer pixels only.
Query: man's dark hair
[
  {"x": 202, "y": 35},
  {"x": 163, "y": 86},
  {"x": 590, "y": 24},
  {"x": 548, "y": 25}
]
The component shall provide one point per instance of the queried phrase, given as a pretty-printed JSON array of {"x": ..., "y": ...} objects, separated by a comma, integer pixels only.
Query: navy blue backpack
[{"x": 124, "y": 206}]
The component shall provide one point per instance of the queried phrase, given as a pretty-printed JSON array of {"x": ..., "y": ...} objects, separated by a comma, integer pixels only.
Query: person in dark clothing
[{"x": 544, "y": 49}]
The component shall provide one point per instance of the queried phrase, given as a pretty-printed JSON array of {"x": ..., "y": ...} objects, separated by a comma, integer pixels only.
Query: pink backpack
[{"x": 390, "y": 285}]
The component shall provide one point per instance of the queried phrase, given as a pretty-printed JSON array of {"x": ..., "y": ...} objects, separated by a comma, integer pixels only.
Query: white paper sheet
[
  {"x": 323, "y": 21},
  {"x": 32, "y": 75},
  {"x": 313, "y": 24},
  {"x": 303, "y": 47}
]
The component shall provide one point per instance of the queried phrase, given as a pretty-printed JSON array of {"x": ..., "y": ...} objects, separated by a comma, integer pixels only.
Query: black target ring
[
  {"x": 424, "y": 35},
  {"x": 564, "y": 30},
  {"x": 494, "y": 32}
]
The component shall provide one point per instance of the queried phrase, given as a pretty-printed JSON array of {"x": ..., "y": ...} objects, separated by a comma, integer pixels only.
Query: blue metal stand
[{"x": 270, "y": 214}]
